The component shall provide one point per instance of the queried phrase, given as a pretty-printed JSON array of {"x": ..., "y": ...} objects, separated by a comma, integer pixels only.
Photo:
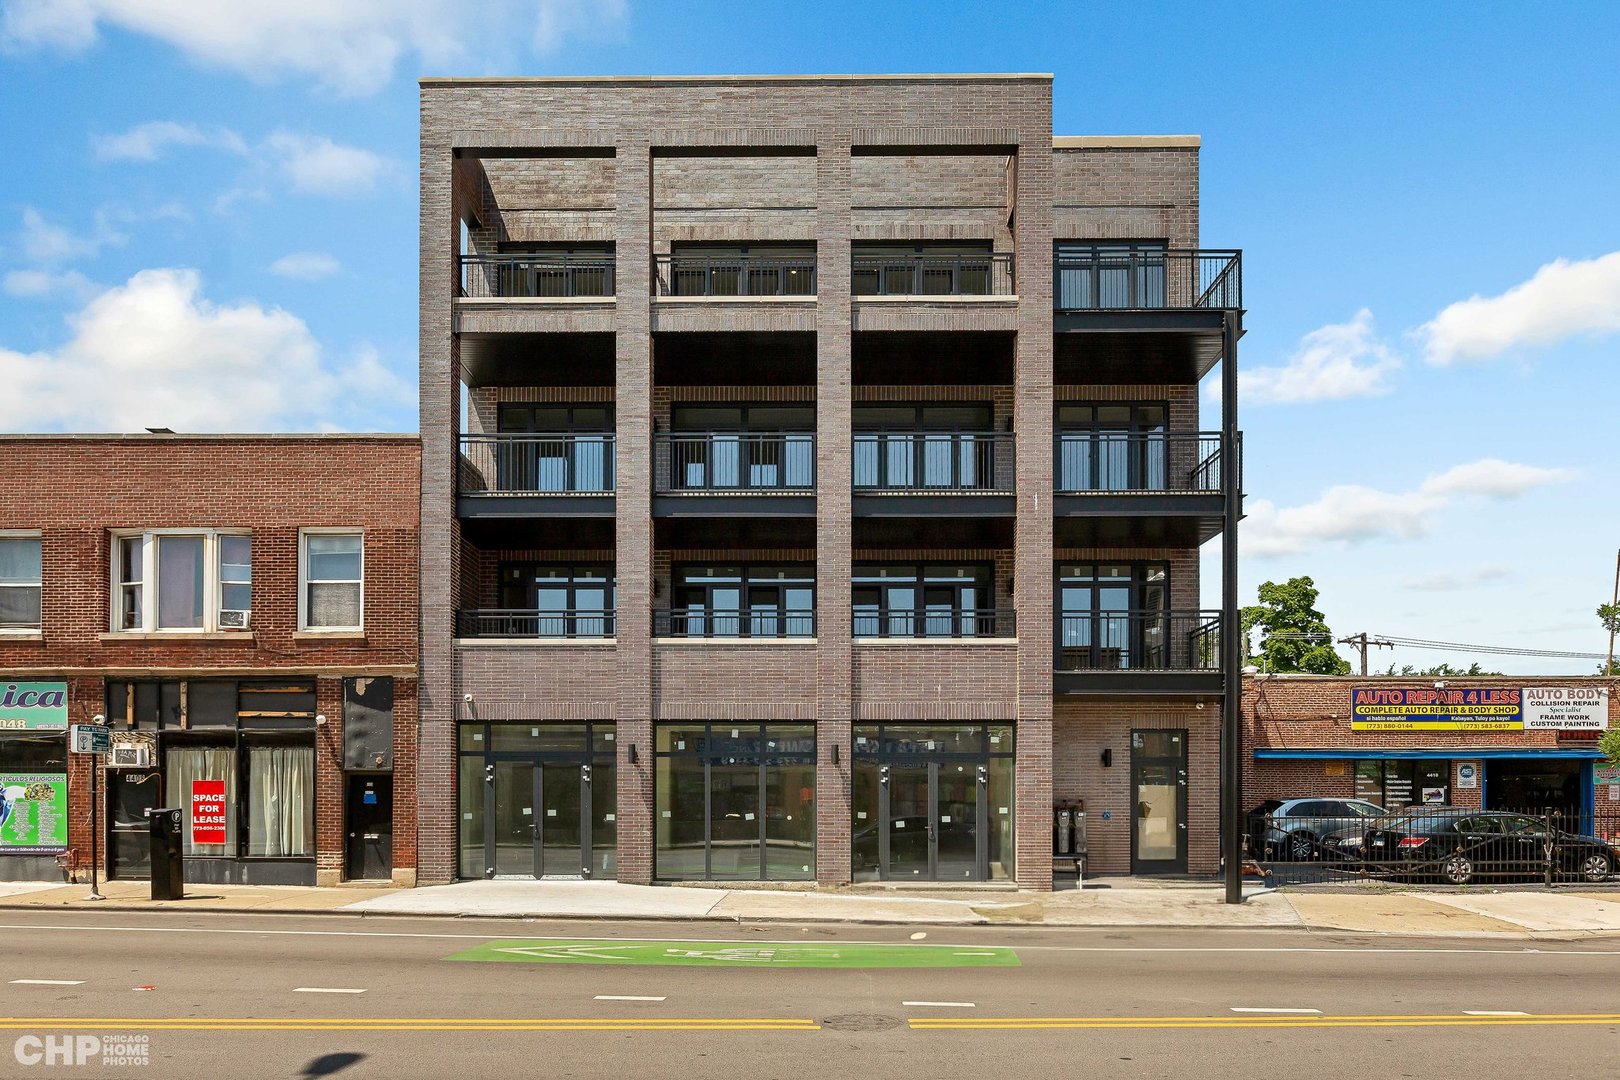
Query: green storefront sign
[
  {"x": 33, "y": 706},
  {"x": 33, "y": 811}
]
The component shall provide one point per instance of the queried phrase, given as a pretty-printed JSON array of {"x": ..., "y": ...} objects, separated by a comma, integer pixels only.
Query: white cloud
[
  {"x": 305, "y": 265},
  {"x": 316, "y": 165},
  {"x": 155, "y": 351},
  {"x": 1457, "y": 580},
  {"x": 1562, "y": 299},
  {"x": 351, "y": 47},
  {"x": 1333, "y": 362},
  {"x": 50, "y": 283},
  {"x": 43, "y": 242},
  {"x": 1352, "y": 513},
  {"x": 146, "y": 142}
]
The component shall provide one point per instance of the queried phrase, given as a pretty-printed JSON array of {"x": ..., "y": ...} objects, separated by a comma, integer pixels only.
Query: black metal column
[{"x": 1231, "y": 639}]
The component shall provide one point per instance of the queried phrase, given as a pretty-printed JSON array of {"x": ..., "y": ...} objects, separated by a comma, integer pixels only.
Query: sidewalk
[{"x": 1103, "y": 903}]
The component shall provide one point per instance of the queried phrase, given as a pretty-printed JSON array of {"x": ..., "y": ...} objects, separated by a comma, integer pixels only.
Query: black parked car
[{"x": 1460, "y": 846}]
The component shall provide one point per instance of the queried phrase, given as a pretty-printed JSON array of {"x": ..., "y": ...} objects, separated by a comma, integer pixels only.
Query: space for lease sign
[
  {"x": 1424, "y": 709},
  {"x": 1565, "y": 708}
]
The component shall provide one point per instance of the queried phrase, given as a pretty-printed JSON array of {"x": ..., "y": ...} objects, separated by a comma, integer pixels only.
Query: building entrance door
[
  {"x": 1159, "y": 780},
  {"x": 542, "y": 814},
  {"x": 369, "y": 844},
  {"x": 933, "y": 822}
]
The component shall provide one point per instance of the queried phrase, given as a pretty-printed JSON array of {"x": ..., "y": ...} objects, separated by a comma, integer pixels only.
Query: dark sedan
[{"x": 1460, "y": 846}]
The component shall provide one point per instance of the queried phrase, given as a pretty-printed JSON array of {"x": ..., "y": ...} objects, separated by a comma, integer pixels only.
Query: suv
[{"x": 1293, "y": 829}]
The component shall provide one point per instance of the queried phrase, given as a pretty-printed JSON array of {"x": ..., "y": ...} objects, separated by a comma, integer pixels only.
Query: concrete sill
[
  {"x": 657, "y": 300},
  {"x": 311, "y": 637},
  {"x": 10, "y": 637},
  {"x": 547, "y": 301},
  {"x": 177, "y": 637},
  {"x": 542, "y": 642},
  {"x": 910, "y": 298},
  {"x": 773, "y": 642},
  {"x": 937, "y": 641}
]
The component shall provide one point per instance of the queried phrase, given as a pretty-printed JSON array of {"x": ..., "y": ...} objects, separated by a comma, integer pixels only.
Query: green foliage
[
  {"x": 1296, "y": 635},
  {"x": 1609, "y": 616},
  {"x": 1439, "y": 671},
  {"x": 1609, "y": 744}
]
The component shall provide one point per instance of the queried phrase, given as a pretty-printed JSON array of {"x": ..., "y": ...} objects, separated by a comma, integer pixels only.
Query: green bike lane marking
[{"x": 723, "y": 954}]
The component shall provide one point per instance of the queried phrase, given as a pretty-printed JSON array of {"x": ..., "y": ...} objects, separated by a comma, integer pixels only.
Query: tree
[
  {"x": 1297, "y": 638},
  {"x": 1439, "y": 671},
  {"x": 1609, "y": 744},
  {"x": 1609, "y": 616}
]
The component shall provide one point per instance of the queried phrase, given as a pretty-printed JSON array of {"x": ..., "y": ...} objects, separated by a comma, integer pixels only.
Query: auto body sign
[
  {"x": 1425, "y": 709},
  {"x": 1565, "y": 708}
]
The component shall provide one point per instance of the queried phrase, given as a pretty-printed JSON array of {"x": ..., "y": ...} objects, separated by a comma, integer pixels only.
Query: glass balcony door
[{"x": 1111, "y": 447}]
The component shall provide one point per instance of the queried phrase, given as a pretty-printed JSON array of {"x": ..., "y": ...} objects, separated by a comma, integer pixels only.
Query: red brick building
[
  {"x": 1501, "y": 743},
  {"x": 242, "y": 611}
]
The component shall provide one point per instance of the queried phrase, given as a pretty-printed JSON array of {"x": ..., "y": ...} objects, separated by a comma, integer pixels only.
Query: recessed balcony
[
  {"x": 740, "y": 473},
  {"x": 1148, "y": 651},
  {"x": 558, "y": 475},
  {"x": 1150, "y": 486},
  {"x": 920, "y": 473}
]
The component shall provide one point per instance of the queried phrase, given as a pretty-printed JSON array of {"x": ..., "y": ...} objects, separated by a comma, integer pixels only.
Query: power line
[{"x": 1491, "y": 650}]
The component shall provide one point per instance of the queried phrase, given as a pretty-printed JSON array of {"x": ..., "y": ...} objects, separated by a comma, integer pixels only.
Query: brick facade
[{"x": 78, "y": 492}]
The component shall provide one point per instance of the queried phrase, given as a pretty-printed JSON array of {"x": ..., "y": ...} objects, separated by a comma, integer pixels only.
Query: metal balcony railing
[
  {"x": 539, "y": 276},
  {"x": 759, "y": 622},
  {"x": 735, "y": 275},
  {"x": 573, "y": 463},
  {"x": 752, "y": 461},
  {"x": 933, "y": 462},
  {"x": 1148, "y": 279},
  {"x": 535, "y": 623},
  {"x": 934, "y": 623},
  {"x": 1145, "y": 462},
  {"x": 990, "y": 274},
  {"x": 1139, "y": 641}
]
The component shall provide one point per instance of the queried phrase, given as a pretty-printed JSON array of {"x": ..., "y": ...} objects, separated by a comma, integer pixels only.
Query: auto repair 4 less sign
[{"x": 1427, "y": 709}]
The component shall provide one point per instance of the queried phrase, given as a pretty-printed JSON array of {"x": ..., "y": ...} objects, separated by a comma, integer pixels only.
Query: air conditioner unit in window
[
  {"x": 130, "y": 757},
  {"x": 234, "y": 619}
]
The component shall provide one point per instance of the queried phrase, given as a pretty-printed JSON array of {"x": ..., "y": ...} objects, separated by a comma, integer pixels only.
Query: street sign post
[{"x": 92, "y": 739}]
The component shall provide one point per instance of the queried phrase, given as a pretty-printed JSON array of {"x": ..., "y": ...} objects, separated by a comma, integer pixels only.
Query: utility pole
[
  {"x": 1608, "y": 668},
  {"x": 1362, "y": 642}
]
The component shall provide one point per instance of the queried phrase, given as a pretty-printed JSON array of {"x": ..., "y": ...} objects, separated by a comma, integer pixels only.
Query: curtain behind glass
[
  {"x": 180, "y": 582},
  {"x": 181, "y": 767},
  {"x": 281, "y": 800}
]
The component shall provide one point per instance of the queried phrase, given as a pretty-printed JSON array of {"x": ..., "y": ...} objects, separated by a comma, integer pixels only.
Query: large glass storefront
[
  {"x": 735, "y": 802},
  {"x": 933, "y": 802},
  {"x": 538, "y": 800}
]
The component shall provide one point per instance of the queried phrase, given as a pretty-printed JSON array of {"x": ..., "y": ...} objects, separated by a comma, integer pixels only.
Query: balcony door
[
  {"x": 1110, "y": 275},
  {"x": 943, "y": 447},
  {"x": 1113, "y": 616},
  {"x": 555, "y": 447},
  {"x": 749, "y": 447},
  {"x": 1111, "y": 446}
]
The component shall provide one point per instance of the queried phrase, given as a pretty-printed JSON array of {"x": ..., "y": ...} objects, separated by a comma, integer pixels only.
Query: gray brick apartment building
[{"x": 813, "y": 483}]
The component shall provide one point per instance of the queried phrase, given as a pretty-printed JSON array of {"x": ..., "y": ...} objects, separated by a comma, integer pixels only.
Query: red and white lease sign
[{"x": 208, "y": 811}]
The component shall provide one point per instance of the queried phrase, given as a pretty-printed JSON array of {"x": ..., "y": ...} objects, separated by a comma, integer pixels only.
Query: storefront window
[
  {"x": 33, "y": 793},
  {"x": 185, "y": 767},
  {"x": 735, "y": 801},
  {"x": 1397, "y": 784},
  {"x": 281, "y": 800}
]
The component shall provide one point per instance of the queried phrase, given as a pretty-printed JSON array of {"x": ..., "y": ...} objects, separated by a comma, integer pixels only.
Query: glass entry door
[
  {"x": 1159, "y": 780},
  {"x": 542, "y": 819},
  {"x": 933, "y": 822}
]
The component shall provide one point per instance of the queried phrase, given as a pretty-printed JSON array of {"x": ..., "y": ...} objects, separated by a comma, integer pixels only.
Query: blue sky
[{"x": 208, "y": 221}]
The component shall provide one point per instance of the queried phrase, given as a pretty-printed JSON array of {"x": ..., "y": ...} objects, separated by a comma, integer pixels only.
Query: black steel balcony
[
  {"x": 1139, "y": 652},
  {"x": 1147, "y": 279},
  {"x": 749, "y": 473},
  {"x": 736, "y": 275},
  {"x": 1153, "y": 487},
  {"x": 945, "y": 623},
  {"x": 536, "y": 276},
  {"x": 755, "y": 624},
  {"x": 566, "y": 474},
  {"x": 990, "y": 274},
  {"x": 534, "y": 623},
  {"x": 906, "y": 473}
]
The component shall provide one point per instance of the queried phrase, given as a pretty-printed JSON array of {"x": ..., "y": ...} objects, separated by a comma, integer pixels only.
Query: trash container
[{"x": 168, "y": 855}]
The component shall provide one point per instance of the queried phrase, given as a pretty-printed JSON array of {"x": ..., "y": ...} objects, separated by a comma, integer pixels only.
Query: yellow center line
[
  {"x": 408, "y": 1024},
  {"x": 1220, "y": 1022}
]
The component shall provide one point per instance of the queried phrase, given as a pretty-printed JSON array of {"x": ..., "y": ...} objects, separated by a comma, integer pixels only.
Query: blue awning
[{"x": 1458, "y": 754}]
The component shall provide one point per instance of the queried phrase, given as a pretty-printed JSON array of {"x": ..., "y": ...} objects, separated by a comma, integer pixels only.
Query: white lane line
[
  {"x": 47, "y": 982},
  {"x": 941, "y": 1004},
  {"x": 974, "y": 954},
  {"x": 1493, "y": 1012},
  {"x": 1368, "y": 950},
  {"x": 1291, "y": 1012},
  {"x": 327, "y": 990},
  {"x": 625, "y": 997}
]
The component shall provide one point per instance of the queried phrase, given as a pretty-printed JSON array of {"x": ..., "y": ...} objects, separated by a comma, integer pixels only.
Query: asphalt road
[{"x": 275, "y": 996}]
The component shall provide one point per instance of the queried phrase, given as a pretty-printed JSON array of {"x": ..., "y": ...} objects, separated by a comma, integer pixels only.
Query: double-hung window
[
  {"x": 20, "y": 580},
  {"x": 331, "y": 577},
  {"x": 197, "y": 580}
]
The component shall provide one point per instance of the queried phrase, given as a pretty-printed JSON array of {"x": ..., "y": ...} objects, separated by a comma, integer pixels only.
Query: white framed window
[
  {"x": 331, "y": 579},
  {"x": 21, "y": 577},
  {"x": 177, "y": 580}
]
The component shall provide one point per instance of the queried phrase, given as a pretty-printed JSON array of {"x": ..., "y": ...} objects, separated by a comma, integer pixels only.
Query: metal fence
[
  {"x": 753, "y": 461},
  {"x": 979, "y": 462},
  {"x": 563, "y": 464},
  {"x": 990, "y": 274},
  {"x": 1147, "y": 279},
  {"x": 535, "y": 623},
  {"x": 1331, "y": 843},
  {"x": 1146, "y": 462},
  {"x": 693, "y": 622},
  {"x": 540, "y": 276},
  {"x": 735, "y": 275},
  {"x": 1147, "y": 640},
  {"x": 932, "y": 623}
]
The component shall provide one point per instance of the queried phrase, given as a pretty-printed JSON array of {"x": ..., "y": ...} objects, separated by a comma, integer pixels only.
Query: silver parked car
[{"x": 1294, "y": 830}]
